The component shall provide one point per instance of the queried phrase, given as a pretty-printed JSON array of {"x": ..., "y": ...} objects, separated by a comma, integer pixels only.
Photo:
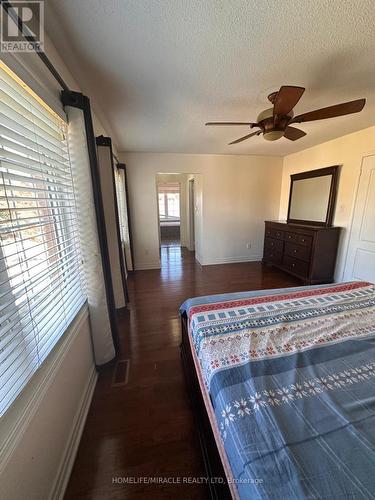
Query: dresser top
[{"x": 301, "y": 226}]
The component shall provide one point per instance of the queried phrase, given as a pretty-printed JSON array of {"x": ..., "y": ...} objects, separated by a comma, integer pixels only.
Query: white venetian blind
[{"x": 41, "y": 289}]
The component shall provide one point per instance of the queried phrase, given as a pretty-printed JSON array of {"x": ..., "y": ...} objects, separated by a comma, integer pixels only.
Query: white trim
[
  {"x": 368, "y": 153},
  {"x": 28, "y": 412},
  {"x": 230, "y": 260},
  {"x": 198, "y": 258},
  {"x": 142, "y": 266},
  {"x": 70, "y": 452}
]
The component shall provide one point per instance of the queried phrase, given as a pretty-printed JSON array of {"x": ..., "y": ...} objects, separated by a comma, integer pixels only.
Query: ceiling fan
[{"x": 275, "y": 122}]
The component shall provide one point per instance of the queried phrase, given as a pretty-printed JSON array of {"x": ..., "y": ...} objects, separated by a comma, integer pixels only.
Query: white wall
[
  {"x": 234, "y": 195},
  {"x": 346, "y": 151},
  {"x": 40, "y": 433}
]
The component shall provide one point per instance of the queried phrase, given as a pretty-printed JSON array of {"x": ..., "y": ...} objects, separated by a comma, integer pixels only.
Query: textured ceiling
[{"x": 157, "y": 70}]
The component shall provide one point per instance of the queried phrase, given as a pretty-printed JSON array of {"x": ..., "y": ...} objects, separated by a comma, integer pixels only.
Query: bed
[{"x": 283, "y": 387}]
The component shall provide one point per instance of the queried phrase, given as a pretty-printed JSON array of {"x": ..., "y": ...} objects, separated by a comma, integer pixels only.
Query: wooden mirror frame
[{"x": 333, "y": 172}]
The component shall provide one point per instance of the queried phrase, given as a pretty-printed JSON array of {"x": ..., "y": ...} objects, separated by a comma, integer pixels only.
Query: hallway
[
  {"x": 145, "y": 428},
  {"x": 171, "y": 259}
]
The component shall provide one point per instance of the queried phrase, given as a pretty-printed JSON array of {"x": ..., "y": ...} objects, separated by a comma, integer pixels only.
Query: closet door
[{"x": 360, "y": 264}]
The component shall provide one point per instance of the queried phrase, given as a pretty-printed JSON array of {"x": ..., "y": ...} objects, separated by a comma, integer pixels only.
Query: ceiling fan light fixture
[
  {"x": 265, "y": 114},
  {"x": 273, "y": 135},
  {"x": 275, "y": 122}
]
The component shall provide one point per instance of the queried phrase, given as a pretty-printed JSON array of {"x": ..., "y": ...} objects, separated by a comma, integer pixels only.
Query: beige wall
[
  {"x": 346, "y": 151},
  {"x": 234, "y": 195}
]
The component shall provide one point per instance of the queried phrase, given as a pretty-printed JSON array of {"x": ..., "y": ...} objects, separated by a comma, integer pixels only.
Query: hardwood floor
[{"x": 145, "y": 428}]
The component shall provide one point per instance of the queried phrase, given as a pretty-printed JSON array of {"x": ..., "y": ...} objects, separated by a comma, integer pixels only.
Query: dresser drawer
[
  {"x": 297, "y": 266},
  {"x": 302, "y": 239},
  {"x": 272, "y": 255},
  {"x": 292, "y": 237},
  {"x": 305, "y": 240},
  {"x": 298, "y": 251},
  {"x": 273, "y": 244},
  {"x": 274, "y": 233}
]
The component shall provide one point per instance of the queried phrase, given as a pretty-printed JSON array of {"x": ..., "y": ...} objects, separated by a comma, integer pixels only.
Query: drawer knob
[
  {"x": 290, "y": 237},
  {"x": 303, "y": 240},
  {"x": 294, "y": 251},
  {"x": 293, "y": 265}
]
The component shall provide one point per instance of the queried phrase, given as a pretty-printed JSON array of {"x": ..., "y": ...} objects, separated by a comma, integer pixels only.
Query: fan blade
[
  {"x": 346, "y": 108},
  {"x": 232, "y": 123},
  {"x": 293, "y": 134},
  {"x": 286, "y": 98},
  {"x": 245, "y": 137}
]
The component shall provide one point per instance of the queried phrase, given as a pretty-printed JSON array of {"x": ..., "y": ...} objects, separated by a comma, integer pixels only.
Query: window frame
[{"x": 165, "y": 203}]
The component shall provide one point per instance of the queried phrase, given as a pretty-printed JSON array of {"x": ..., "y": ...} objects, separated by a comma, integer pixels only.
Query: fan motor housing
[{"x": 273, "y": 130}]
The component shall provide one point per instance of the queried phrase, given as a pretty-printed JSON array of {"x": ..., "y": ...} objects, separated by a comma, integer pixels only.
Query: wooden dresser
[{"x": 305, "y": 251}]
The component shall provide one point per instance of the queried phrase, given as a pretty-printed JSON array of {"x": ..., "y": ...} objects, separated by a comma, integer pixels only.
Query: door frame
[
  {"x": 158, "y": 212},
  {"x": 191, "y": 205}
]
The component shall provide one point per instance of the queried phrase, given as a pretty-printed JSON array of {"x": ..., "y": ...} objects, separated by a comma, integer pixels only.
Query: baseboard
[
  {"x": 71, "y": 449},
  {"x": 143, "y": 266},
  {"x": 204, "y": 262},
  {"x": 198, "y": 258},
  {"x": 230, "y": 260}
]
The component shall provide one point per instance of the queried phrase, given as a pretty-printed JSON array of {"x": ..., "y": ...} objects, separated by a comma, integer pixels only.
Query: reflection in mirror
[{"x": 310, "y": 198}]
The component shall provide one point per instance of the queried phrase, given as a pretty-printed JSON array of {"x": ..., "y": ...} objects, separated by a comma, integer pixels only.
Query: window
[
  {"x": 41, "y": 289},
  {"x": 169, "y": 201}
]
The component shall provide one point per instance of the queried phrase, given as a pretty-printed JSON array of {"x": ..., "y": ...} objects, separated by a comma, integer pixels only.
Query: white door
[{"x": 360, "y": 264}]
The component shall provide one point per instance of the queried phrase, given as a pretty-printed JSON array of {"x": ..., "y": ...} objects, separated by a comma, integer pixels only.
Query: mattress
[{"x": 288, "y": 377}]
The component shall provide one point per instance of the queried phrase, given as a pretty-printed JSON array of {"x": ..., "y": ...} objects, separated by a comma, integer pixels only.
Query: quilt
[{"x": 290, "y": 377}]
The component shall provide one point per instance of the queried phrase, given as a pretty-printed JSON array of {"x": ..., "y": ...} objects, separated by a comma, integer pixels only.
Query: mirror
[{"x": 312, "y": 196}]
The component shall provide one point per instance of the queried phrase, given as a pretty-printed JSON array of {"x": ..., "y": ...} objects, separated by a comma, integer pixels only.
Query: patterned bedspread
[{"x": 291, "y": 378}]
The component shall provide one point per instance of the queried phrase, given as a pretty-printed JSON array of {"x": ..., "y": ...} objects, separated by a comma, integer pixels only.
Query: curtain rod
[{"x": 9, "y": 9}]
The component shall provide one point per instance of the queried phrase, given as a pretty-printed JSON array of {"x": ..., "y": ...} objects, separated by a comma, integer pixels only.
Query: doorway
[
  {"x": 177, "y": 217},
  {"x": 169, "y": 198}
]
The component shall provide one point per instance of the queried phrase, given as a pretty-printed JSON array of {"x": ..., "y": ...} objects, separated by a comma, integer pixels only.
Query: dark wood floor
[
  {"x": 146, "y": 428},
  {"x": 170, "y": 241}
]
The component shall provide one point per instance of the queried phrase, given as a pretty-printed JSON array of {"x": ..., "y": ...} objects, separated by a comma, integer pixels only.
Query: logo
[{"x": 22, "y": 26}]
